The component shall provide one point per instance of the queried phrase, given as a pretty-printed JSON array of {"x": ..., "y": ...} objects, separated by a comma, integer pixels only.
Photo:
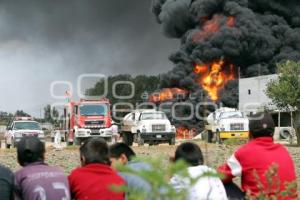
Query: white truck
[
  {"x": 226, "y": 123},
  {"x": 22, "y": 127},
  {"x": 147, "y": 126}
]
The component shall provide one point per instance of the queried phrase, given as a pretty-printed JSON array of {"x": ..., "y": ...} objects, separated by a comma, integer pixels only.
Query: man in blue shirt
[{"x": 120, "y": 153}]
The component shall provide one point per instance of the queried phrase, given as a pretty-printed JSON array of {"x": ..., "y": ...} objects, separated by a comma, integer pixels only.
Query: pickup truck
[
  {"x": 21, "y": 127},
  {"x": 147, "y": 126}
]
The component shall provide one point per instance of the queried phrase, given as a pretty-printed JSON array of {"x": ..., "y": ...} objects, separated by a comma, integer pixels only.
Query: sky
[{"x": 43, "y": 41}]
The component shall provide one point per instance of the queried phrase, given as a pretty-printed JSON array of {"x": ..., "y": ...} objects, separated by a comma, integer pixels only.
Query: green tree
[
  {"x": 21, "y": 113},
  {"x": 142, "y": 84},
  {"x": 285, "y": 91},
  {"x": 5, "y": 117},
  {"x": 50, "y": 114}
]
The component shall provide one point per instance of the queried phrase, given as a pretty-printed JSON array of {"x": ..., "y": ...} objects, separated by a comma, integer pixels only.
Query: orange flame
[
  {"x": 167, "y": 94},
  {"x": 183, "y": 132},
  {"x": 230, "y": 21},
  {"x": 213, "y": 77},
  {"x": 212, "y": 26}
]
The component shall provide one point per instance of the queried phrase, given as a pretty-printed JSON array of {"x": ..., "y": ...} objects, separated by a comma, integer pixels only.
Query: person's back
[
  {"x": 95, "y": 179},
  {"x": 257, "y": 157},
  {"x": 40, "y": 181},
  {"x": 136, "y": 181},
  {"x": 36, "y": 180},
  {"x": 120, "y": 153},
  {"x": 207, "y": 187},
  {"x": 253, "y": 160},
  {"x": 6, "y": 183}
]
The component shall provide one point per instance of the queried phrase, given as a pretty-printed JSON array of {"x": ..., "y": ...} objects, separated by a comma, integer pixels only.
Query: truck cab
[
  {"x": 22, "y": 127},
  {"x": 89, "y": 118},
  {"x": 147, "y": 126},
  {"x": 226, "y": 123}
]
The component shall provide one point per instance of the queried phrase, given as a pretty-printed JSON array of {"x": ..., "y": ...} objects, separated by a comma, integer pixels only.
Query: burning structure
[{"x": 221, "y": 40}]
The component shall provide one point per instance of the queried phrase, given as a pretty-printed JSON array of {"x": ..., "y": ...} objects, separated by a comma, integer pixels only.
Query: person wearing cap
[
  {"x": 37, "y": 180},
  {"x": 252, "y": 160}
]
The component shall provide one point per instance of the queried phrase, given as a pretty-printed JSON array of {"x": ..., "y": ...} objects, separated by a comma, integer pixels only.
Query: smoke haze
[
  {"x": 254, "y": 35},
  {"x": 44, "y": 40}
]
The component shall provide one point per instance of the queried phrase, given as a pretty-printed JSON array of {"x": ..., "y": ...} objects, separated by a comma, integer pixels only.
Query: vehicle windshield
[
  {"x": 93, "y": 110},
  {"x": 27, "y": 126},
  {"x": 149, "y": 116},
  {"x": 231, "y": 115}
]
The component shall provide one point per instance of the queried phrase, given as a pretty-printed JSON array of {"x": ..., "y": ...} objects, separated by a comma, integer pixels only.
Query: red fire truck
[{"x": 88, "y": 118}]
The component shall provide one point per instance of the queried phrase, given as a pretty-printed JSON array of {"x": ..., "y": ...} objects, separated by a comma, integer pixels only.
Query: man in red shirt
[
  {"x": 95, "y": 179},
  {"x": 252, "y": 160}
]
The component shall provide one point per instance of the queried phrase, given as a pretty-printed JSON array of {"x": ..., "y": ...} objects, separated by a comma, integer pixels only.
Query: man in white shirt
[{"x": 207, "y": 187}]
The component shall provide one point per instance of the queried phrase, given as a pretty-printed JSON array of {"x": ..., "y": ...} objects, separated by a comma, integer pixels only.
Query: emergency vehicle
[
  {"x": 22, "y": 127},
  {"x": 88, "y": 118}
]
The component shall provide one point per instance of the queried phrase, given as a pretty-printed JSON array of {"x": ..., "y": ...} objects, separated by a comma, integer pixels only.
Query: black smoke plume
[{"x": 264, "y": 33}]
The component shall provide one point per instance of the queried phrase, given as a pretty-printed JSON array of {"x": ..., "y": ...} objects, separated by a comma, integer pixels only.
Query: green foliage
[
  {"x": 143, "y": 86},
  {"x": 285, "y": 91},
  {"x": 160, "y": 172},
  {"x": 271, "y": 190},
  {"x": 50, "y": 114},
  {"x": 142, "y": 83},
  {"x": 21, "y": 113},
  {"x": 5, "y": 118},
  {"x": 158, "y": 177}
]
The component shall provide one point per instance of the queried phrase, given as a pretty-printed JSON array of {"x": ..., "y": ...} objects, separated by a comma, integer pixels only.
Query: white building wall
[{"x": 252, "y": 95}]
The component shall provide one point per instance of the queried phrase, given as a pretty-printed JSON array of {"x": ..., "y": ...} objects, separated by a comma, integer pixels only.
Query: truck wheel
[
  {"x": 172, "y": 141},
  {"x": 140, "y": 140},
  {"x": 130, "y": 139},
  {"x": 124, "y": 138},
  {"x": 285, "y": 133},
  {"x": 127, "y": 138},
  {"x": 218, "y": 139},
  {"x": 209, "y": 136},
  {"x": 7, "y": 146}
]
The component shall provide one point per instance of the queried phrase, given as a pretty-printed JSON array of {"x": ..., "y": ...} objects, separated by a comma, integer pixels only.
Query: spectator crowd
[{"x": 97, "y": 178}]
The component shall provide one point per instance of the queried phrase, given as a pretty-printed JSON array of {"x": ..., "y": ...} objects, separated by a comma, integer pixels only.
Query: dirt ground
[{"x": 68, "y": 158}]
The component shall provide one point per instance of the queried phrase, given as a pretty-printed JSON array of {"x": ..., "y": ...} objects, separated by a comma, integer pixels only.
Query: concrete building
[
  {"x": 252, "y": 95},
  {"x": 252, "y": 99}
]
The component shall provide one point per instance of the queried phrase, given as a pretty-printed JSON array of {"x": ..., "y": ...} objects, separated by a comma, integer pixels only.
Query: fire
[
  {"x": 230, "y": 22},
  {"x": 213, "y": 77},
  {"x": 183, "y": 132},
  {"x": 212, "y": 26},
  {"x": 167, "y": 94}
]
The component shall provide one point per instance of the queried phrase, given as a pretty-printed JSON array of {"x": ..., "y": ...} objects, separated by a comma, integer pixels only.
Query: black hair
[
  {"x": 117, "y": 149},
  {"x": 190, "y": 153},
  {"x": 29, "y": 150},
  {"x": 261, "y": 125},
  {"x": 95, "y": 150}
]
